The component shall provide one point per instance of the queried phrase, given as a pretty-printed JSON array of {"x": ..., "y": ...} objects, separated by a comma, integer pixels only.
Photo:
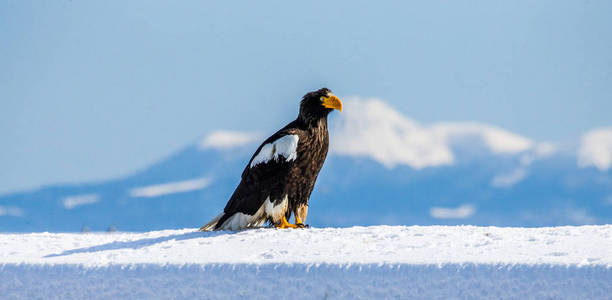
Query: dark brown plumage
[{"x": 280, "y": 176}]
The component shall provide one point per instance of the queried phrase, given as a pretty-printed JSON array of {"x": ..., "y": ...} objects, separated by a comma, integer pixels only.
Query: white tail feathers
[
  {"x": 210, "y": 226},
  {"x": 239, "y": 221}
]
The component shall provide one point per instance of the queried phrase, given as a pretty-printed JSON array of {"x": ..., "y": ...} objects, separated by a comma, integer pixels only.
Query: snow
[
  {"x": 359, "y": 262},
  {"x": 545, "y": 149},
  {"x": 372, "y": 128},
  {"x": 71, "y": 202},
  {"x": 509, "y": 179},
  {"x": 462, "y": 212},
  {"x": 171, "y": 188},
  {"x": 582, "y": 245},
  {"x": 497, "y": 140},
  {"x": 596, "y": 149},
  {"x": 227, "y": 139},
  {"x": 539, "y": 151},
  {"x": 285, "y": 146},
  {"x": 11, "y": 211}
]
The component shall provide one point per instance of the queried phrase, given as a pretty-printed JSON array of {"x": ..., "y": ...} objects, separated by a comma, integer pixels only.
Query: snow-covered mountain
[{"x": 383, "y": 168}]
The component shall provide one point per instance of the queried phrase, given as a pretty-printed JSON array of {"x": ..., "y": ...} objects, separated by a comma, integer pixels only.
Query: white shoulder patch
[{"x": 286, "y": 147}]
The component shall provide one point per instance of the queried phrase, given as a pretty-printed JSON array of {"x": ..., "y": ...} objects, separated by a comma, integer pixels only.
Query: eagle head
[{"x": 318, "y": 104}]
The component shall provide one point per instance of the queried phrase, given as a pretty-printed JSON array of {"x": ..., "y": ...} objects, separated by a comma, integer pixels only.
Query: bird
[{"x": 281, "y": 174}]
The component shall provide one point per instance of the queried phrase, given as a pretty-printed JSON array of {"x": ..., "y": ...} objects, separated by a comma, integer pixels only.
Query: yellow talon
[
  {"x": 299, "y": 223},
  {"x": 284, "y": 224}
]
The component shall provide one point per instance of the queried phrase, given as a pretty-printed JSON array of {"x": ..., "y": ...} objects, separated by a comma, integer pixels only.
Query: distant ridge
[{"x": 383, "y": 168}]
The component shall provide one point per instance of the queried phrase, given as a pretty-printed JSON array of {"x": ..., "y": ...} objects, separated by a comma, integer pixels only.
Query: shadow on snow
[{"x": 137, "y": 244}]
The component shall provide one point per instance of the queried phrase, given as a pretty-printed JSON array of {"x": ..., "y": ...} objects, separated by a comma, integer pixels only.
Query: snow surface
[{"x": 359, "y": 262}]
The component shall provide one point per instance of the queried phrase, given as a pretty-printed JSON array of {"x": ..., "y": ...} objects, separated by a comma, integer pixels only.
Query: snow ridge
[
  {"x": 415, "y": 262},
  {"x": 566, "y": 245}
]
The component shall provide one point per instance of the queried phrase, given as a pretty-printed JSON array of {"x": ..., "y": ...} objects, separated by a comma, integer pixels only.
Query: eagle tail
[{"x": 210, "y": 226}]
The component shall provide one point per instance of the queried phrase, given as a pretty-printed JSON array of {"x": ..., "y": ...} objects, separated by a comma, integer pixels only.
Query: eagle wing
[{"x": 265, "y": 175}]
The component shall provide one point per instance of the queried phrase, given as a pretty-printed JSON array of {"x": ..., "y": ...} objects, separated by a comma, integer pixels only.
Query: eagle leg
[
  {"x": 300, "y": 213},
  {"x": 284, "y": 224},
  {"x": 299, "y": 223}
]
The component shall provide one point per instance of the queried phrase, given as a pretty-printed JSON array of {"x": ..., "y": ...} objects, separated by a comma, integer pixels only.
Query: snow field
[{"x": 417, "y": 262}]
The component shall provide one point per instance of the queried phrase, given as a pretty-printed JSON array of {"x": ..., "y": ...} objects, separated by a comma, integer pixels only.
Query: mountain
[{"x": 383, "y": 168}]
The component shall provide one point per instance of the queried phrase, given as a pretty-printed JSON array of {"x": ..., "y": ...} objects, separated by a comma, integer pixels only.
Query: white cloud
[
  {"x": 509, "y": 179},
  {"x": 374, "y": 129},
  {"x": 462, "y": 212},
  {"x": 170, "y": 188},
  {"x": 596, "y": 149},
  {"x": 11, "y": 211},
  {"x": 71, "y": 202},
  {"x": 225, "y": 139},
  {"x": 545, "y": 149}
]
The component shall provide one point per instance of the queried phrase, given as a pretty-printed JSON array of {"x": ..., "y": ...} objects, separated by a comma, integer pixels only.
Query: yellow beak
[{"x": 331, "y": 101}]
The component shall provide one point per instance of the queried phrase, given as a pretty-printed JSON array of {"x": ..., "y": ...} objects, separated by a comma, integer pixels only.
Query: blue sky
[{"x": 93, "y": 90}]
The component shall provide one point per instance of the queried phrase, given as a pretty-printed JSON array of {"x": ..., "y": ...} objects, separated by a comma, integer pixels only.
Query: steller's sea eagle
[{"x": 279, "y": 178}]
